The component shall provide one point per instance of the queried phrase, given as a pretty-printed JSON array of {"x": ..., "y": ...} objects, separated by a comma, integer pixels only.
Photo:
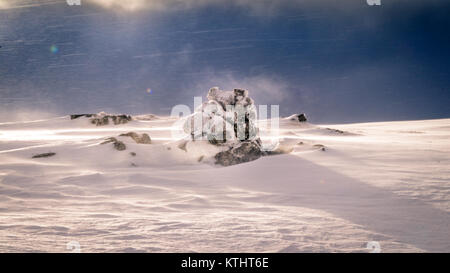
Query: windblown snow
[{"x": 335, "y": 189}]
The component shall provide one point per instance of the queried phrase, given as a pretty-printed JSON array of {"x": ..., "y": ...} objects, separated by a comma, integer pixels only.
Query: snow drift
[{"x": 334, "y": 192}]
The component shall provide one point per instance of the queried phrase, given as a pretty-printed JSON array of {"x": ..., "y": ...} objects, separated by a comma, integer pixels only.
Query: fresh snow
[{"x": 341, "y": 187}]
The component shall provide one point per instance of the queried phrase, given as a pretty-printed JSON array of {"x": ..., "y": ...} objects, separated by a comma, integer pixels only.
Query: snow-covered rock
[
  {"x": 147, "y": 117},
  {"x": 298, "y": 117},
  {"x": 210, "y": 121},
  {"x": 103, "y": 118},
  {"x": 139, "y": 139},
  {"x": 227, "y": 116},
  {"x": 227, "y": 119}
]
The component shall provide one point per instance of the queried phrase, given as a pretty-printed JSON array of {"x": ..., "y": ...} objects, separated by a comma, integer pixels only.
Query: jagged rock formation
[
  {"x": 102, "y": 118},
  {"x": 139, "y": 139},
  {"x": 227, "y": 116},
  {"x": 227, "y": 119}
]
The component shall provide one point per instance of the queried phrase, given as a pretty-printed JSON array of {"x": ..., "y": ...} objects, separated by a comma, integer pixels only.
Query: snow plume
[
  {"x": 264, "y": 89},
  {"x": 19, "y": 4},
  {"x": 131, "y": 5},
  {"x": 255, "y": 7},
  {"x": 261, "y": 7},
  {"x": 22, "y": 114}
]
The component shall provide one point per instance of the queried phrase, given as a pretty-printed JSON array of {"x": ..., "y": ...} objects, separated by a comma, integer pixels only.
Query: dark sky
[{"x": 337, "y": 61}]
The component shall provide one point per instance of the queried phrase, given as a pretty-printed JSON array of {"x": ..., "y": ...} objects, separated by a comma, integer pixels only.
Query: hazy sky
[{"x": 337, "y": 61}]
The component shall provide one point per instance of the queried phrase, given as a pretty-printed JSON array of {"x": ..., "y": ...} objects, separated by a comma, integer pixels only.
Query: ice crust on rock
[
  {"x": 227, "y": 116},
  {"x": 227, "y": 119}
]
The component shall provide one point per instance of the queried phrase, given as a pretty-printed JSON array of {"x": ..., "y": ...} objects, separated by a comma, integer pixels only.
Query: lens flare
[{"x": 54, "y": 49}]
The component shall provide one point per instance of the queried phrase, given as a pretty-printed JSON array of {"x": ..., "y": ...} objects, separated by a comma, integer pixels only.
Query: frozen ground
[{"x": 386, "y": 182}]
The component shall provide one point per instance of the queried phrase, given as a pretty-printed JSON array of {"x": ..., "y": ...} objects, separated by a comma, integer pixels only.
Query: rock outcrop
[
  {"x": 139, "y": 139},
  {"x": 75, "y": 116},
  {"x": 243, "y": 152},
  {"x": 44, "y": 155},
  {"x": 228, "y": 119},
  {"x": 298, "y": 117},
  {"x": 102, "y": 118},
  {"x": 120, "y": 146},
  {"x": 227, "y": 116}
]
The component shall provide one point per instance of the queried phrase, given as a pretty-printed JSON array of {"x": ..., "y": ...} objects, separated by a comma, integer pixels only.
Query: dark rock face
[
  {"x": 139, "y": 139},
  {"x": 103, "y": 118},
  {"x": 302, "y": 118},
  {"x": 100, "y": 121},
  {"x": 244, "y": 152},
  {"x": 299, "y": 117},
  {"x": 80, "y": 115},
  {"x": 118, "y": 145},
  {"x": 44, "y": 155},
  {"x": 120, "y": 119}
]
